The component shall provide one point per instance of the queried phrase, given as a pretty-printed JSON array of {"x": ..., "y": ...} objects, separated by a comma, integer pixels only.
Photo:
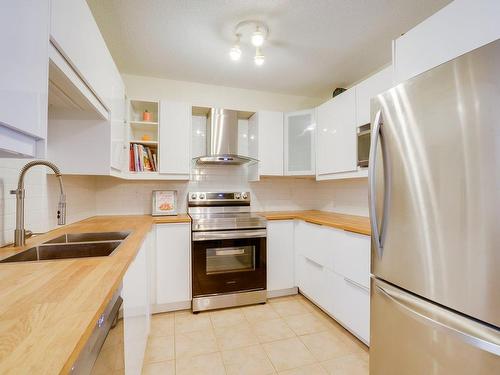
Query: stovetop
[
  {"x": 226, "y": 221},
  {"x": 222, "y": 211}
]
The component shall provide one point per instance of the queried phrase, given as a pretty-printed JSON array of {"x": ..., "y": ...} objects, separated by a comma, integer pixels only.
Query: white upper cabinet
[
  {"x": 118, "y": 121},
  {"x": 265, "y": 143},
  {"x": 299, "y": 143},
  {"x": 459, "y": 27},
  {"x": 175, "y": 140},
  {"x": 336, "y": 135},
  {"x": 377, "y": 83},
  {"x": 24, "y": 33},
  {"x": 76, "y": 35}
]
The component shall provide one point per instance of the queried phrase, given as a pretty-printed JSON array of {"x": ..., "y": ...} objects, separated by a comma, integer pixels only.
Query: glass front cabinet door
[{"x": 299, "y": 134}]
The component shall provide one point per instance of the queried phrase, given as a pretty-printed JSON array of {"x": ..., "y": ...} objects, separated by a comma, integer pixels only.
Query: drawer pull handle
[
  {"x": 358, "y": 285},
  {"x": 313, "y": 262}
]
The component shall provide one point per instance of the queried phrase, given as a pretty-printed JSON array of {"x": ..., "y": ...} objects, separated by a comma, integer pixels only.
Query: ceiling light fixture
[
  {"x": 235, "y": 52},
  {"x": 259, "y": 57},
  {"x": 258, "y": 33},
  {"x": 258, "y": 37}
]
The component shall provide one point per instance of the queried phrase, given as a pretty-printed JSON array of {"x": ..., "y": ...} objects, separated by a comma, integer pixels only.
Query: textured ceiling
[{"x": 313, "y": 46}]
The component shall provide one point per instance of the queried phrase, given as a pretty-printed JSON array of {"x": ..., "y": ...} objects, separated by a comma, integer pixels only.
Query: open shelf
[
  {"x": 146, "y": 143},
  {"x": 137, "y": 107},
  {"x": 139, "y": 128},
  {"x": 144, "y": 122}
]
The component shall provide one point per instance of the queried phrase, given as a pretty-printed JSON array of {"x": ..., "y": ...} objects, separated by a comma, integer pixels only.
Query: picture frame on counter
[{"x": 164, "y": 203}]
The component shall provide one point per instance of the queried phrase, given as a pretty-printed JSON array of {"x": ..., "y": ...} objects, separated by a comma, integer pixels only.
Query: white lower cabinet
[
  {"x": 280, "y": 260},
  {"x": 354, "y": 311},
  {"x": 333, "y": 270},
  {"x": 173, "y": 267},
  {"x": 314, "y": 282},
  {"x": 136, "y": 309},
  {"x": 312, "y": 241},
  {"x": 335, "y": 283},
  {"x": 350, "y": 255}
]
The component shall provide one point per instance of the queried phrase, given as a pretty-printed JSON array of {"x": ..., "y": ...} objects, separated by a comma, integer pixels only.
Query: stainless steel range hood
[{"x": 222, "y": 139}]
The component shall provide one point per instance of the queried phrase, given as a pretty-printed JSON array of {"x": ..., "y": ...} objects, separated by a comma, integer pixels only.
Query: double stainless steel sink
[{"x": 72, "y": 245}]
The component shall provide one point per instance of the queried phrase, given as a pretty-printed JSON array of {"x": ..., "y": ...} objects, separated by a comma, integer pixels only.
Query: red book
[{"x": 131, "y": 163}]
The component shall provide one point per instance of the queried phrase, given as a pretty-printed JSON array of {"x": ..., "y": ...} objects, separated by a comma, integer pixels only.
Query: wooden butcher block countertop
[
  {"x": 350, "y": 223},
  {"x": 48, "y": 309}
]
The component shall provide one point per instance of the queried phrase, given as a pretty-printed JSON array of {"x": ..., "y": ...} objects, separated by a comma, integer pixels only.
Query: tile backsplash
[
  {"x": 115, "y": 196},
  {"x": 42, "y": 196},
  {"x": 101, "y": 195}
]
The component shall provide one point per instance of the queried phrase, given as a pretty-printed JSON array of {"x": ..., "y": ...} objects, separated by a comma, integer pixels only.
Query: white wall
[{"x": 198, "y": 94}]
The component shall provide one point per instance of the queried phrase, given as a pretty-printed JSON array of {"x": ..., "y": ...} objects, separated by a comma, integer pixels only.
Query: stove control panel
[{"x": 219, "y": 197}]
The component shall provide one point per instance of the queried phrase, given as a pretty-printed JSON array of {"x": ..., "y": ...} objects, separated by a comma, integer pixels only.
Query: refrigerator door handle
[
  {"x": 467, "y": 330},
  {"x": 377, "y": 235}
]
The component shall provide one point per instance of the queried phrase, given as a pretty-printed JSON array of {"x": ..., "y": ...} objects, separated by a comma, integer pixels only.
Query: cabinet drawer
[
  {"x": 313, "y": 281},
  {"x": 313, "y": 242},
  {"x": 350, "y": 255},
  {"x": 354, "y": 309},
  {"x": 334, "y": 297}
]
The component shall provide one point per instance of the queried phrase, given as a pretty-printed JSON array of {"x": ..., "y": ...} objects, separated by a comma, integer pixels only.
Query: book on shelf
[{"x": 142, "y": 158}]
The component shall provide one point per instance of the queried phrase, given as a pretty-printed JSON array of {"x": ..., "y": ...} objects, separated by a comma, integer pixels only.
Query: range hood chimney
[{"x": 222, "y": 139}]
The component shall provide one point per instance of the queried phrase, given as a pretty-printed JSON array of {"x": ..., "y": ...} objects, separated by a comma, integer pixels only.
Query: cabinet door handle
[
  {"x": 313, "y": 262},
  {"x": 356, "y": 284}
]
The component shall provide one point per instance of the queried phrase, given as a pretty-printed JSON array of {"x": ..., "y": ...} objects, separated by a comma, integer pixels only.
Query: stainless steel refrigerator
[{"x": 434, "y": 183}]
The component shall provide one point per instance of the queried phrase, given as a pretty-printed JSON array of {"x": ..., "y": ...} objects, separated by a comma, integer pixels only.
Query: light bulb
[
  {"x": 257, "y": 38},
  {"x": 258, "y": 58},
  {"x": 235, "y": 53}
]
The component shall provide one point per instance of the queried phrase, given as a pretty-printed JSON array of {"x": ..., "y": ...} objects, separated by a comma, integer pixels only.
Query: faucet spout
[{"x": 20, "y": 232}]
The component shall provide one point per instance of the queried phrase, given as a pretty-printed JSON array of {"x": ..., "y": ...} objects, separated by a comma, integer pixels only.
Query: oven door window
[{"x": 230, "y": 259}]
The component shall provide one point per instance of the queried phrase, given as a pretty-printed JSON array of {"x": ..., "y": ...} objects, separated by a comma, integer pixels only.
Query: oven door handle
[{"x": 229, "y": 234}]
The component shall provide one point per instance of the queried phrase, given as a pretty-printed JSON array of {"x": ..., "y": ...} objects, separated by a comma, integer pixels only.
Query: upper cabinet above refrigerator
[
  {"x": 299, "y": 143},
  {"x": 369, "y": 88},
  {"x": 24, "y": 33},
  {"x": 458, "y": 28}
]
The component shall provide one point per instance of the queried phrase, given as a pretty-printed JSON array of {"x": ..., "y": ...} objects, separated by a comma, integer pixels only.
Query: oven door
[{"x": 228, "y": 261}]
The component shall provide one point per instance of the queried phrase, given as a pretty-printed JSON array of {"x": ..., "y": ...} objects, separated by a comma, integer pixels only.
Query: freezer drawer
[{"x": 412, "y": 336}]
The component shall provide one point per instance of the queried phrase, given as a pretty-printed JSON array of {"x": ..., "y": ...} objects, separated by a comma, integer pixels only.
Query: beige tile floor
[{"x": 288, "y": 335}]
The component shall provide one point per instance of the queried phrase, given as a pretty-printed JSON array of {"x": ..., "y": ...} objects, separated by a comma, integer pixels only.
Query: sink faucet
[{"x": 20, "y": 232}]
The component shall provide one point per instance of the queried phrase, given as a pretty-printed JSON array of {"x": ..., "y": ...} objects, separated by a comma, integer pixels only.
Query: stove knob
[
  {"x": 244, "y": 195},
  {"x": 237, "y": 196},
  {"x": 202, "y": 196},
  {"x": 193, "y": 196}
]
